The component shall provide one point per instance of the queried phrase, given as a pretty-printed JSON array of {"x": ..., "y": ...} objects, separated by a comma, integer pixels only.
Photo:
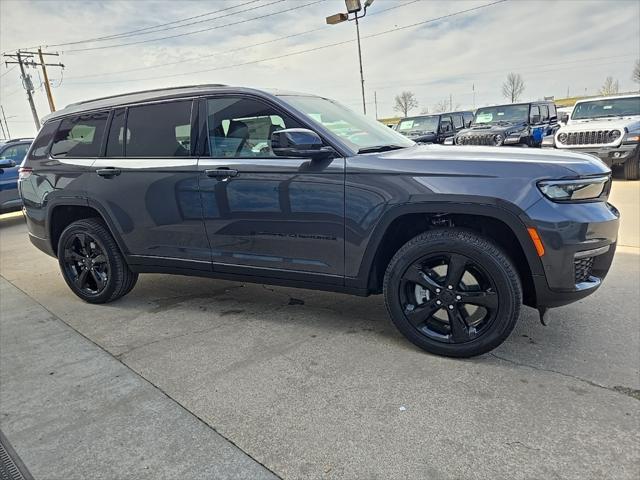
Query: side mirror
[
  {"x": 7, "y": 163},
  {"x": 564, "y": 118},
  {"x": 535, "y": 119},
  {"x": 300, "y": 143}
]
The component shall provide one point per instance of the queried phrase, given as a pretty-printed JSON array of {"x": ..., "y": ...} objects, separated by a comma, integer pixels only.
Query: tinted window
[
  {"x": 552, "y": 111},
  {"x": 15, "y": 152},
  {"x": 544, "y": 112},
  {"x": 80, "y": 136},
  {"x": 534, "y": 111},
  {"x": 445, "y": 125},
  {"x": 159, "y": 130},
  {"x": 457, "y": 121},
  {"x": 42, "y": 141},
  {"x": 115, "y": 144},
  {"x": 468, "y": 118},
  {"x": 240, "y": 127}
]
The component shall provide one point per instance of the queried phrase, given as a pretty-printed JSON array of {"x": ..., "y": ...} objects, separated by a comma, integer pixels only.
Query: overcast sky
[{"x": 557, "y": 46}]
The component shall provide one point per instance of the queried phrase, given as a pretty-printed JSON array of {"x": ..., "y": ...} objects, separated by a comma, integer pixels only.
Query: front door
[
  {"x": 268, "y": 215},
  {"x": 147, "y": 185}
]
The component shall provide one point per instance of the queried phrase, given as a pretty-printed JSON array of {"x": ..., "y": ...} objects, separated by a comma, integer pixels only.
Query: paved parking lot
[{"x": 311, "y": 384}]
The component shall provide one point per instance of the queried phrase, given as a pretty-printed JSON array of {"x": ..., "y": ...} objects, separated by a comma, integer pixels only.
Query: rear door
[
  {"x": 146, "y": 185},
  {"x": 264, "y": 214}
]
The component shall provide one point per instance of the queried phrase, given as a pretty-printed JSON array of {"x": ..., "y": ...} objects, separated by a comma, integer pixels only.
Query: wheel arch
[
  {"x": 65, "y": 211},
  {"x": 502, "y": 223}
]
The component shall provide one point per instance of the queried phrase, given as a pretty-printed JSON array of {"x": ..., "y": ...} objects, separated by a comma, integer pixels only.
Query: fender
[{"x": 498, "y": 209}]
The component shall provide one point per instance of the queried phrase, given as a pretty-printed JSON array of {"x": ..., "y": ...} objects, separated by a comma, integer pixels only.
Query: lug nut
[
  {"x": 458, "y": 297},
  {"x": 450, "y": 307},
  {"x": 438, "y": 302},
  {"x": 437, "y": 290},
  {"x": 450, "y": 287}
]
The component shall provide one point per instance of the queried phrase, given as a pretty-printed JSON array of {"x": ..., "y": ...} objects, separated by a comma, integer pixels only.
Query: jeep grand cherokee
[{"x": 293, "y": 189}]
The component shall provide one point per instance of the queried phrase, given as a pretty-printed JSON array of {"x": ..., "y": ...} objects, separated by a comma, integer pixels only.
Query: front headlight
[
  {"x": 614, "y": 135},
  {"x": 574, "y": 190},
  {"x": 562, "y": 137}
]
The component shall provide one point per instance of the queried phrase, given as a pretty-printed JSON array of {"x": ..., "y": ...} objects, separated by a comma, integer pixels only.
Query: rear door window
[
  {"x": 457, "y": 121},
  {"x": 80, "y": 136},
  {"x": 544, "y": 113},
  {"x": 156, "y": 130},
  {"x": 115, "y": 140}
]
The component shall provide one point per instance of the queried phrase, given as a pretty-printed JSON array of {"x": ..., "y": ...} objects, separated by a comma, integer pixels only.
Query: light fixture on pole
[{"x": 354, "y": 7}]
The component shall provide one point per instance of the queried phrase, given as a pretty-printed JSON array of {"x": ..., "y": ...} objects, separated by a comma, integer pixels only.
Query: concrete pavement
[{"x": 329, "y": 389}]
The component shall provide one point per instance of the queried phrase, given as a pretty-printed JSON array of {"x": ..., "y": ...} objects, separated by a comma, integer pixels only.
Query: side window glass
[
  {"x": 241, "y": 127},
  {"x": 80, "y": 136},
  {"x": 158, "y": 130},
  {"x": 115, "y": 140},
  {"x": 535, "y": 110},
  {"x": 468, "y": 118},
  {"x": 445, "y": 125},
  {"x": 544, "y": 113},
  {"x": 39, "y": 149},
  {"x": 552, "y": 111},
  {"x": 16, "y": 152},
  {"x": 457, "y": 121}
]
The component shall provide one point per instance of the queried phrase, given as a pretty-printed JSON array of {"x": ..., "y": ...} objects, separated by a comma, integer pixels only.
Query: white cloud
[{"x": 554, "y": 45}]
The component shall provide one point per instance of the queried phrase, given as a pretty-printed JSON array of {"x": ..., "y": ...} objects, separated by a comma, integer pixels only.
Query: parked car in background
[
  {"x": 608, "y": 127},
  {"x": 564, "y": 113},
  {"x": 524, "y": 124},
  {"x": 12, "y": 152},
  {"x": 434, "y": 128},
  {"x": 457, "y": 239}
]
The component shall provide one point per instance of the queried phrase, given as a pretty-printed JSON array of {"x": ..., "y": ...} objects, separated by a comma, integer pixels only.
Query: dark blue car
[{"x": 11, "y": 154}]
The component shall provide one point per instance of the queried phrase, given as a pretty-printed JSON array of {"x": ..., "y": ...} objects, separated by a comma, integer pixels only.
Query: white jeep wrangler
[{"x": 608, "y": 127}]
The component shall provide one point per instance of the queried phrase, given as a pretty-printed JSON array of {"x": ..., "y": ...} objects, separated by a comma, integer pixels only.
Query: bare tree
[
  {"x": 404, "y": 102},
  {"x": 513, "y": 87},
  {"x": 424, "y": 111},
  {"x": 610, "y": 87},
  {"x": 636, "y": 72},
  {"x": 441, "y": 106}
]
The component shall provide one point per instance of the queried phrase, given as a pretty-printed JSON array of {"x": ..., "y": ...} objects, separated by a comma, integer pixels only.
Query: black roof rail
[
  {"x": 13, "y": 140},
  {"x": 164, "y": 89}
]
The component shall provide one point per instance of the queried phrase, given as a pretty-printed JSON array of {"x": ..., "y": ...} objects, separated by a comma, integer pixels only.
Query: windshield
[
  {"x": 419, "y": 124},
  {"x": 502, "y": 113},
  {"x": 610, "y": 107},
  {"x": 357, "y": 130}
]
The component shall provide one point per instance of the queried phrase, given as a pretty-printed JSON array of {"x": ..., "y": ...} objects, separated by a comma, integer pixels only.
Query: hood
[
  {"x": 587, "y": 124},
  {"x": 494, "y": 128},
  {"x": 489, "y": 161}
]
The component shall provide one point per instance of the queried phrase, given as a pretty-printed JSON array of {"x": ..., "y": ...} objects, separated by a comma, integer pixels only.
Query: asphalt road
[{"x": 320, "y": 385}]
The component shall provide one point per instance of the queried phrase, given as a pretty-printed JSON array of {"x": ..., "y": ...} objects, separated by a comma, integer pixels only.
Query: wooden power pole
[{"x": 45, "y": 75}]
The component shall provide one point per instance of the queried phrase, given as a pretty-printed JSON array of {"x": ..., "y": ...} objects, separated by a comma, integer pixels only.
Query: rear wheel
[
  {"x": 452, "y": 292},
  {"x": 92, "y": 264},
  {"x": 632, "y": 167}
]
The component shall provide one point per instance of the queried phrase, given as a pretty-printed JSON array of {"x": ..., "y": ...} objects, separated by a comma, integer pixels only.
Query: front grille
[
  {"x": 477, "y": 140},
  {"x": 592, "y": 137},
  {"x": 583, "y": 268}
]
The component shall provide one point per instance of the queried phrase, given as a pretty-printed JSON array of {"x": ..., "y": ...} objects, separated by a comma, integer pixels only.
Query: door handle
[
  {"x": 108, "y": 172},
  {"x": 222, "y": 172}
]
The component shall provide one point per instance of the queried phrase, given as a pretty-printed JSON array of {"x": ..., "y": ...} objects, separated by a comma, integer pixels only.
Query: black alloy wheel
[
  {"x": 448, "y": 297},
  {"x": 92, "y": 264},
  {"x": 453, "y": 292},
  {"x": 85, "y": 263}
]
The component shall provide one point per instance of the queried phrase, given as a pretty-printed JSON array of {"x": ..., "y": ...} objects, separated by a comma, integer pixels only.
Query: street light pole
[
  {"x": 353, "y": 7},
  {"x": 364, "y": 103}
]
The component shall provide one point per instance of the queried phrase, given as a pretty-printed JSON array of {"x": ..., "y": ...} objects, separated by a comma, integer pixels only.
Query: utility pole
[
  {"x": 26, "y": 82},
  {"x": 450, "y": 103},
  {"x": 375, "y": 99},
  {"x": 43, "y": 65},
  {"x": 4, "y": 135},
  {"x": 6, "y": 125}
]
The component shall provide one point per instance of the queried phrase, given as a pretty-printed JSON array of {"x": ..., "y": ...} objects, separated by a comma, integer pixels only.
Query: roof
[{"x": 607, "y": 97}]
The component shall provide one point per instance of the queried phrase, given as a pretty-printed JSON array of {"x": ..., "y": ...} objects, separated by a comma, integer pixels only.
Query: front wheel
[
  {"x": 452, "y": 292},
  {"x": 92, "y": 264}
]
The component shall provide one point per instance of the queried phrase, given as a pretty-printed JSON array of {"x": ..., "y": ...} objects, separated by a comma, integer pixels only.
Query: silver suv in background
[{"x": 608, "y": 127}]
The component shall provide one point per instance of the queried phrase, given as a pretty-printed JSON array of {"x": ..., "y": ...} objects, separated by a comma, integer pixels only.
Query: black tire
[
  {"x": 632, "y": 167},
  {"x": 479, "y": 255},
  {"x": 81, "y": 244}
]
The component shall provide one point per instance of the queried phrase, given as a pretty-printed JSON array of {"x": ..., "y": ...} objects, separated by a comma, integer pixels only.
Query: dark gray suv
[{"x": 296, "y": 190}]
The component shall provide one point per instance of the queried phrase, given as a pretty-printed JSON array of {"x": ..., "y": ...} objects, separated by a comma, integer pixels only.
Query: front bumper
[
  {"x": 609, "y": 155},
  {"x": 580, "y": 242}
]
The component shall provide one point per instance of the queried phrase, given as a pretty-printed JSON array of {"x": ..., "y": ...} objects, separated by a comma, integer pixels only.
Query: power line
[
  {"x": 145, "y": 29},
  {"x": 9, "y": 71},
  {"x": 300, "y": 52},
  {"x": 246, "y": 47},
  {"x": 297, "y": 7}
]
